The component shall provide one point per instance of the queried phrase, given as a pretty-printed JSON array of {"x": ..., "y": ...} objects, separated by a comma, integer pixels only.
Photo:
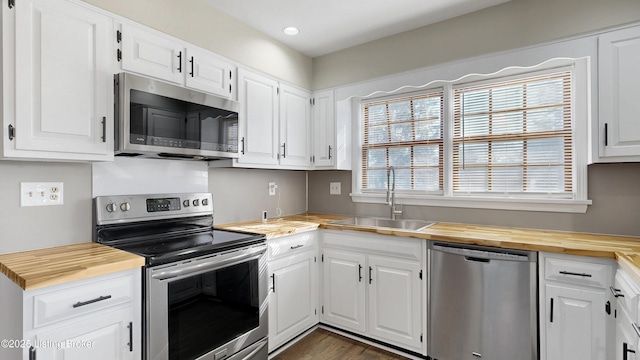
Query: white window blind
[
  {"x": 405, "y": 133},
  {"x": 514, "y": 136}
]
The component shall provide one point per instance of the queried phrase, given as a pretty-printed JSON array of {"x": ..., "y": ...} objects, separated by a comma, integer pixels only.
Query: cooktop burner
[{"x": 169, "y": 249}]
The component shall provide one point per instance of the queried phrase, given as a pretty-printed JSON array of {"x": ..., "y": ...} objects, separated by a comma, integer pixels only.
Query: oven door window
[{"x": 211, "y": 309}]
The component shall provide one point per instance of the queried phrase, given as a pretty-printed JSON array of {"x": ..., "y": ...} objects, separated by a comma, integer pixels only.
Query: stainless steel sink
[{"x": 414, "y": 225}]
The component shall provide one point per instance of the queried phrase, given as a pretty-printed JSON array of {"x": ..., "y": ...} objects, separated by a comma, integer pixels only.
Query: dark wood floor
[{"x": 323, "y": 344}]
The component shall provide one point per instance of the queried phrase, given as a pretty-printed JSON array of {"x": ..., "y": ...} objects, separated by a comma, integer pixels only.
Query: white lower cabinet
[
  {"x": 344, "y": 289},
  {"x": 97, "y": 318},
  {"x": 100, "y": 337},
  {"x": 373, "y": 286},
  {"x": 394, "y": 300},
  {"x": 293, "y": 295},
  {"x": 576, "y": 316},
  {"x": 626, "y": 291},
  {"x": 626, "y": 338}
]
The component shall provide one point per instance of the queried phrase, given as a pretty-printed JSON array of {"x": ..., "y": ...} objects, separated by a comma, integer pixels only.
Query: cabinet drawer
[
  {"x": 578, "y": 272},
  {"x": 74, "y": 301},
  {"x": 291, "y": 244},
  {"x": 626, "y": 293}
]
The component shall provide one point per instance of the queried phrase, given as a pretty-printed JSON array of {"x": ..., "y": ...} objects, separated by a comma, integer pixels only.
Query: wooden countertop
[
  {"x": 45, "y": 267},
  {"x": 625, "y": 249}
]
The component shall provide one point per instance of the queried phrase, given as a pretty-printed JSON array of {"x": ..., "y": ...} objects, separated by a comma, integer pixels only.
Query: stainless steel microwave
[{"x": 157, "y": 119}]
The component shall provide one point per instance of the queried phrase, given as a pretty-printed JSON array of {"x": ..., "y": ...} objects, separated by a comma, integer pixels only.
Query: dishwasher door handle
[{"x": 472, "y": 254}]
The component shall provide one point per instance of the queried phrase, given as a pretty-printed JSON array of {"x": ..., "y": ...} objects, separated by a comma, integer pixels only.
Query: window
[
  {"x": 514, "y": 136},
  {"x": 405, "y": 133},
  {"x": 515, "y": 139}
]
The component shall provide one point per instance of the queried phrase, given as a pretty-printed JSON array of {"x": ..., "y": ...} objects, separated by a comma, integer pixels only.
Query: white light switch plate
[
  {"x": 335, "y": 188},
  {"x": 41, "y": 193}
]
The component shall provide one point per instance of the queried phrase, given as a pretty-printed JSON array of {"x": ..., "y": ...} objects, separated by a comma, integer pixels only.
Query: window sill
[{"x": 545, "y": 205}]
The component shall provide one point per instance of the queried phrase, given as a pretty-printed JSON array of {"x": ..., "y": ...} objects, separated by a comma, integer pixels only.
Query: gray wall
[
  {"x": 242, "y": 194},
  {"x": 613, "y": 188},
  {"x": 511, "y": 25},
  {"x": 24, "y": 228}
]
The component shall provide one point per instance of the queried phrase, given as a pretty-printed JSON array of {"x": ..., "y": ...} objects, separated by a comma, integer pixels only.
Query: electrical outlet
[
  {"x": 41, "y": 193},
  {"x": 272, "y": 188},
  {"x": 335, "y": 188}
]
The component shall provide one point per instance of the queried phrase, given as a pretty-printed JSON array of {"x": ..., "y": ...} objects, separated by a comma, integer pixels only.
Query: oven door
[{"x": 210, "y": 307}]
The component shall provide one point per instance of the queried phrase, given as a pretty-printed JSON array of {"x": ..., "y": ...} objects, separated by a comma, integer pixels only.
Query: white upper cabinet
[
  {"x": 206, "y": 72},
  {"x": 258, "y": 97},
  {"x": 57, "y": 82},
  {"x": 619, "y": 90},
  {"x": 157, "y": 55},
  {"x": 295, "y": 117},
  {"x": 147, "y": 53},
  {"x": 275, "y": 121},
  {"x": 323, "y": 135}
]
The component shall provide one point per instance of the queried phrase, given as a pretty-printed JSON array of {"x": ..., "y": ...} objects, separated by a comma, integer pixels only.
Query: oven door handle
[{"x": 215, "y": 263}]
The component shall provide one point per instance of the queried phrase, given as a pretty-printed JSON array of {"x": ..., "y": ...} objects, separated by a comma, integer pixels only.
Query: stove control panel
[
  {"x": 163, "y": 204},
  {"x": 128, "y": 208}
]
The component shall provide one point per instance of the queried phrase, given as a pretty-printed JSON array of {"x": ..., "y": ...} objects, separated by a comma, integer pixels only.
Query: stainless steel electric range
[{"x": 205, "y": 289}]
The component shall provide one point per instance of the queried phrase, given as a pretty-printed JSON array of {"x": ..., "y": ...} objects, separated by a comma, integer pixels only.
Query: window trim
[{"x": 581, "y": 103}]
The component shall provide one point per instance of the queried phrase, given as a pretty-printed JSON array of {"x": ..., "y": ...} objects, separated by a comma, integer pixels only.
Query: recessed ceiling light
[{"x": 291, "y": 30}]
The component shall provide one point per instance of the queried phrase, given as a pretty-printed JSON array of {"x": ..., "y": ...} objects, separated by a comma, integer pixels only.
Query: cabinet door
[
  {"x": 344, "y": 275},
  {"x": 258, "y": 96},
  {"x": 206, "y": 72},
  {"x": 295, "y": 119},
  {"x": 293, "y": 297},
  {"x": 323, "y": 132},
  {"x": 104, "y": 337},
  {"x": 626, "y": 338},
  {"x": 150, "y": 54},
  {"x": 576, "y": 323},
  {"x": 619, "y": 90},
  {"x": 394, "y": 301},
  {"x": 63, "y": 80}
]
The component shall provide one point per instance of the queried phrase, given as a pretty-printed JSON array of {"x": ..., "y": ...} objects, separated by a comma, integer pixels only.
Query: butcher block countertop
[
  {"x": 57, "y": 265},
  {"x": 626, "y": 250}
]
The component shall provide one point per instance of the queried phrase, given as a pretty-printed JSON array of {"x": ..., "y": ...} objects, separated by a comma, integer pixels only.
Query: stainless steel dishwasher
[{"x": 483, "y": 303}]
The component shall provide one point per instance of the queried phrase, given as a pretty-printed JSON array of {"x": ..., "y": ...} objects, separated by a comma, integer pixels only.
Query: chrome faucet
[{"x": 391, "y": 193}]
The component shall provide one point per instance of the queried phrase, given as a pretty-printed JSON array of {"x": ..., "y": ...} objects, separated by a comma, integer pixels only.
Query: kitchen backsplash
[
  {"x": 242, "y": 194},
  {"x": 126, "y": 176},
  {"x": 613, "y": 188}
]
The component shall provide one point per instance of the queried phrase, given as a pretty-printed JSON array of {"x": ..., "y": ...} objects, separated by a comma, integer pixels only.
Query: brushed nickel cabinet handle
[{"x": 83, "y": 303}]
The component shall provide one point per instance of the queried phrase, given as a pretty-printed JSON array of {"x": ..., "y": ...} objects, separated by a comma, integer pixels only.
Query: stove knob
[
  {"x": 186, "y": 203},
  {"x": 196, "y": 202},
  {"x": 125, "y": 206},
  {"x": 111, "y": 207},
  {"x": 205, "y": 202}
]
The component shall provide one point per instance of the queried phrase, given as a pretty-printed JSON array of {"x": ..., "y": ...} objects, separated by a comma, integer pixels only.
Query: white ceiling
[{"x": 330, "y": 25}]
